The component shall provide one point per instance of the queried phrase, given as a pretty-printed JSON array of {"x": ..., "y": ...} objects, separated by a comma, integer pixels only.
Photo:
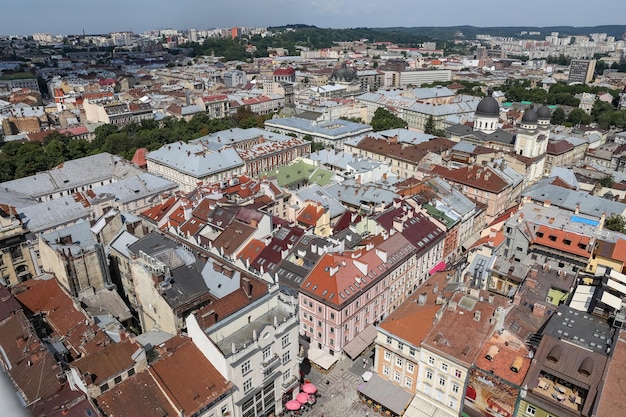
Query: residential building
[
  {"x": 568, "y": 366},
  {"x": 118, "y": 114},
  {"x": 74, "y": 256},
  {"x": 251, "y": 338},
  {"x": 447, "y": 354},
  {"x": 581, "y": 71},
  {"x": 16, "y": 262},
  {"x": 332, "y": 133}
]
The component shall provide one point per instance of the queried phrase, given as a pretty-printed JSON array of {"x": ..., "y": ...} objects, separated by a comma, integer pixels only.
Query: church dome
[
  {"x": 343, "y": 74},
  {"x": 488, "y": 106},
  {"x": 544, "y": 113},
  {"x": 530, "y": 116}
]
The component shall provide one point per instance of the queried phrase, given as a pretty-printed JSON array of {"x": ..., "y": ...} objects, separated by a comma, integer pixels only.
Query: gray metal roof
[
  {"x": 571, "y": 199},
  {"x": 135, "y": 188},
  {"x": 53, "y": 213},
  {"x": 81, "y": 238},
  {"x": 195, "y": 160},
  {"x": 334, "y": 129}
]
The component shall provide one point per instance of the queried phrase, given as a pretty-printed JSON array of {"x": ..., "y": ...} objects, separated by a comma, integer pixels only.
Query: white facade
[{"x": 257, "y": 350}]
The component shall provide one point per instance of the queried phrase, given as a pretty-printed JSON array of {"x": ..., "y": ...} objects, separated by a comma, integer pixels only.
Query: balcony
[
  {"x": 274, "y": 360},
  {"x": 291, "y": 382}
]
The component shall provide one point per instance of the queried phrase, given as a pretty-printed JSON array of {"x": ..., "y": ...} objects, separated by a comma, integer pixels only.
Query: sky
[{"x": 24, "y": 17}]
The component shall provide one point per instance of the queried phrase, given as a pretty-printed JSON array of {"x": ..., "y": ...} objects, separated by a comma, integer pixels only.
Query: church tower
[{"x": 487, "y": 115}]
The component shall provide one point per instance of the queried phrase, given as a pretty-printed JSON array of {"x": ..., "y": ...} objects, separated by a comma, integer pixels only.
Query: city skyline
[{"x": 74, "y": 16}]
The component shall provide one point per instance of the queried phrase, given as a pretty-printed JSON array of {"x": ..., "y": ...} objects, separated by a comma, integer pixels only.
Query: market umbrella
[
  {"x": 293, "y": 405},
  {"x": 302, "y": 398},
  {"x": 309, "y": 388}
]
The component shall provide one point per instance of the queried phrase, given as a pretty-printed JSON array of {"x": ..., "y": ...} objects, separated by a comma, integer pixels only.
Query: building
[
  {"x": 75, "y": 257},
  {"x": 16, "y": 262},
  {"x": 251, "y": 338},
  {"x": 447, "y": 354},
  {"x": 118, "y": 114},
  {"x": 568, "y": 366},
  {"x": 331, "y": 133},
  {"x": 581, "y": 71}
]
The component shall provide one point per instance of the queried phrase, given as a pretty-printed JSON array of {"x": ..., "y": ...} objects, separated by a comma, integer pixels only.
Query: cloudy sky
[{"x": 74, "y": 16}]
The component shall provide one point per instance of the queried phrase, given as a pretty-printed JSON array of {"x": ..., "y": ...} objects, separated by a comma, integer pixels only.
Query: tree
[
  {"x": 606, "y": 181},
  {"x": 578, "y": 116},
  {"x": 383, "y": 119},
  {"x": 615, "y": 222},
  {"x": 558, "y": 116},
  {"x": 429, "y": 126}
]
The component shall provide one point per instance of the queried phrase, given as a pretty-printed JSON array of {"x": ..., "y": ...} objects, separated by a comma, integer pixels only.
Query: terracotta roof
[
  {"x": 559, "y": 182},
  {"x": 611, "y": 403},
  {"x": 22, "y": 347},
  {"x": 139, "y": 158},
  {"x": 233, "y": 237},
  {"x": 46, "y": 295},
  {"x": 136, "y": 396},
  {"x": 251, "y": 251},
  {"x": 187, "y": 377},
  {"x": 562, "y": 240},
  {"x": 403, "y": 151},
  {"x": 558, "y": 147},
  {"x": 509, "y": 347},
  {"x": 475, "y": 176},
  {"x": 233, "y": 302},
  {"x": 310, "y": 215},
  {"x": 619, "y": 253},
  {"x": 412, "y": 321},
  {"x": 109, "y": 362},
  {"x": 159, "y": 211},
  {"x": 449, "y": 335}
]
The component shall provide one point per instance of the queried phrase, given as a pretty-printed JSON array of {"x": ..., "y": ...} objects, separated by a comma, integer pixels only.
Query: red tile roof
[
  {"x": 136, "y": 396},
  {"x": 187, "y": 377},
  {"x": 108, "y": 363},
  {"x": 310, "y": 215},
  {"x": 509, "y": 347},
  {"x": 475, "y": 176},
  {"x": 412, "y": 321},
  {"x": 46, "y": 296},
  {"x": 562, "y": 240},
  {"x": 611, "y": 403}
]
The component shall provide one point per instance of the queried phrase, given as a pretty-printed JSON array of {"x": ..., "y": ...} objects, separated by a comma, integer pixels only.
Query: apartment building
[{"x": 253, "y": 342}]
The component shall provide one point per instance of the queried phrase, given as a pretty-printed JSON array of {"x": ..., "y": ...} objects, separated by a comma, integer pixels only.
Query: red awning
[{"x": 439, "y": 267}]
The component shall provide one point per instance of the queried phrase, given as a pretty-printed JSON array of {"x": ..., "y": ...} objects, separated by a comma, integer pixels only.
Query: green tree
[
  {"x": 606, "y": 181},
  {"x": 615, "y": 222},
  {"x": 578, "y": 116},
  {"x": 429, "y": 126},
  {"x": 383, "y": 119},
  {"x": 558, "y": 116}
]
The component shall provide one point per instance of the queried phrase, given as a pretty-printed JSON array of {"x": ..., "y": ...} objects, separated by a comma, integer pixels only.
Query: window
[
  {"x": 431, "y": 360},
  {"x": 400, "y": 346},
  {"x": 267, "y": 353},
  {"x": 398, "y": 361},
  {"x": 388, "y": 340},
  {"x": 429, "y": 374},
  {"x": 427, "y": 389},
  {"x": 408, "y": 382},
  {"x": 396, "y": 376},
  {"x": 455, "y": 388},
  {"x": 412, "y": 352},
  {"x": 285, "y": 340},
  {"x": 245, "y": 367},
  {"x": 444, "y": 367},
  {"x": 287, "y": 375},
  {"x": 452, "y": 402},
  {"x": 224, "y": 409},
  {"x": 387, "y": 355},
  {"x": 286, "y": 357},
  {"x": 247, "y": 385},
  {"x": 410, "y": 367},
  {"x": 104, "y": 387},
  {"x": 118, "y": 379},
  {"x": 442, "y": 381},
  {"x": 332, "y": 316},
  {"x": 457, "y": 373},
  {"x": 439, "y": 396},
  {"x": 530, "y": 410}
]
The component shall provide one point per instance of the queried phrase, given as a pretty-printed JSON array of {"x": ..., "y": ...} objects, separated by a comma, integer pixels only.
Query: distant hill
[{"x": 470, "y": 32}]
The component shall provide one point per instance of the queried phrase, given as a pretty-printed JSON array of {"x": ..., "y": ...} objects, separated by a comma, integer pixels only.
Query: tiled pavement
[{"x": 339, "y": 397}]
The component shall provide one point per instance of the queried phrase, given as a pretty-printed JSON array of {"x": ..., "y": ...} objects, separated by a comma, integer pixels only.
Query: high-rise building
[
  {"x": 581, "y": 71},
  {"x": 235, "y": 33}
]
